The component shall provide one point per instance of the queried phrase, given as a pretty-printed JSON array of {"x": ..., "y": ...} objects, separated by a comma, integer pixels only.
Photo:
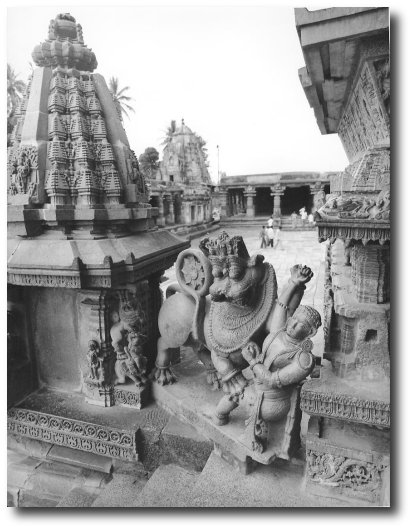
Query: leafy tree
[
  {"x": 119, "y": 97},
  {"x": 149, "y": 162},
  {"x": 204, "y": 151},
  {"x": 15, "y": 90}
]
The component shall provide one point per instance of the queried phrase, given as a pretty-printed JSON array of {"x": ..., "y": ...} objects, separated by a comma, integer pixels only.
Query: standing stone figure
[
  {"x": 131, "y": 363},
  {"x": 285, "y": 361},
  {"x": 93, "y": 359}
]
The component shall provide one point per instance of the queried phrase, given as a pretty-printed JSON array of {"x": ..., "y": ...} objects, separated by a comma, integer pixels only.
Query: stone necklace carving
[{"x": 231, "y": 327}]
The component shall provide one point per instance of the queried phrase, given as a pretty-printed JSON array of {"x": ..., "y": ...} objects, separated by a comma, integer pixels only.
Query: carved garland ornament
[
  {"x": 72, "y": 433},
  {"x": 345, "y": 407},
  {"x": 340, "y": 471}
]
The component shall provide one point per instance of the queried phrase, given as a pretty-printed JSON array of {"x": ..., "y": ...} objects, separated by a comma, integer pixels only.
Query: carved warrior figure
[
  {"x": 225, "y": 299},
  {"x": 127, "y": 341},
  {"x": 285, "y": 360}
]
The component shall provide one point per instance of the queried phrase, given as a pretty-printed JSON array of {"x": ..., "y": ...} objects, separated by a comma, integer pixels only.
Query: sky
[{"x": 230, "y": 71}]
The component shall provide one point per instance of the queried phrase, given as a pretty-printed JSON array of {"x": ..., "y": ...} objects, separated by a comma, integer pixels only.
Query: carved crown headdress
[
  {"x": 224, "y": 246},
  {"x": 311, "y": 315}
]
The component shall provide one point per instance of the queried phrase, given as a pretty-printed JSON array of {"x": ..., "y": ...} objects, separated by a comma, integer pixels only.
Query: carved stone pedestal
[
  {"x": 193, "y": 401},
  {"x": 348, "y": 439}
]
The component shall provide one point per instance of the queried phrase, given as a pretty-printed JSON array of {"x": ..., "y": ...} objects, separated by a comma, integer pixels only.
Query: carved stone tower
[
  {"x": 84, "y": 256},
  {"x": 347, "y": 82}
]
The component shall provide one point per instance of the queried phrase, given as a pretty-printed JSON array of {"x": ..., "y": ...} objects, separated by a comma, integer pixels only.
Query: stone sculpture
[
  {"x": 285, "y": 361},
  {"x": 225, "y": 299},
  {"x": 127, "y": 341},
  {"x": 94, "y": 360},
  {"x": 131, "y": 363}
]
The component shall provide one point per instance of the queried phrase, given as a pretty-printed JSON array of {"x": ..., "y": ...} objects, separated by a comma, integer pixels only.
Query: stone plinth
[
  {"x": 64, "y": 419},
  {"x": 348, "y": 438}
]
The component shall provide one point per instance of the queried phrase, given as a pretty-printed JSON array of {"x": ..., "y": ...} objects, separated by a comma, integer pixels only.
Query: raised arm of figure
[{"x": 290, "y": 297}]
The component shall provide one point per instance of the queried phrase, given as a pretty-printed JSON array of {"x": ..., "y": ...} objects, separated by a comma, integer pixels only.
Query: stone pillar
[
  {"x": 161, "y": 215},
  {"x": 277, "y": 192},
  {"x": 314, "y": 190},
  {"x": 371, "y": 273},
  {"x": 223, "y": 201},
  {"x": 250, "y": 194},
  {"x": 170, "y": 214}
]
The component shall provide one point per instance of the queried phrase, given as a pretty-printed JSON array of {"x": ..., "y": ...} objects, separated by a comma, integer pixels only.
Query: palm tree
[
  {"x": 169, "y": 132},
  {"x": 118, "y": 96},
  {"x": 15, "y": 90}
]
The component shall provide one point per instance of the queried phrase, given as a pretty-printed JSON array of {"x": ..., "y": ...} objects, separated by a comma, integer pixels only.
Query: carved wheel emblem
[{"x": 193, "y": 272}]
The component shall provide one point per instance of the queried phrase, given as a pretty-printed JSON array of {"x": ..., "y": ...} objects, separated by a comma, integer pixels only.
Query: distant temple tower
[{"x": 182, "y": 187}]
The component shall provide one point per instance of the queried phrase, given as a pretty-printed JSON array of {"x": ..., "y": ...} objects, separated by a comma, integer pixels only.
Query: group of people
[
  {"x": 267, "y": 235},
  {"x": 305, "y": 218}
]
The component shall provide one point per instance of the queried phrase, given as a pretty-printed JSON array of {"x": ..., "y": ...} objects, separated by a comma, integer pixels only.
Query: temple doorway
[
  {"x": 296, "y": 198},
  {"x": 264, "y": 203}
]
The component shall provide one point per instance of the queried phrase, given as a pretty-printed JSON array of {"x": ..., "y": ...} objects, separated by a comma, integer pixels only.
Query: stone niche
[
  {"x": 85, "y": 259},
  {"x": 347, "y": 83}
]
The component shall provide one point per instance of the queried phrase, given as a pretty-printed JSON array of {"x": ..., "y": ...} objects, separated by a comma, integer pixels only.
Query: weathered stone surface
[
  {"x": 169, "y": 486},
  {"x": 121, "y": 492},
  {"x": 184, "y": 446},
  {"x": 278, "y": 485},
  {"x": 78, "y": 498},
  {"x": 80, "y": 458}
]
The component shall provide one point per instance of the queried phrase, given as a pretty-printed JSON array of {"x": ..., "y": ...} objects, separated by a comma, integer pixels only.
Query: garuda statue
[{"x": 225, "y": 300}]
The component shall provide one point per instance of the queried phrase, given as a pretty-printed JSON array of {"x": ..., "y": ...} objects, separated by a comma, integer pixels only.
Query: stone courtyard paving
[{"x": 300, "y": 247}]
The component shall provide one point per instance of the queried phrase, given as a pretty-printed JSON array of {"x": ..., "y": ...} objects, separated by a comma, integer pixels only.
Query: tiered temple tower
[
  {"x": 84, "y": 257},
  {"x": 182, "y": 187}
]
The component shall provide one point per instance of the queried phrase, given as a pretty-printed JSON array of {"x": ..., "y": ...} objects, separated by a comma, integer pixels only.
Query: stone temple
[
  {"x": 85, "y": 256},
  {"x": 181, "y": 189},
  {"x": 121, "y": 394}
]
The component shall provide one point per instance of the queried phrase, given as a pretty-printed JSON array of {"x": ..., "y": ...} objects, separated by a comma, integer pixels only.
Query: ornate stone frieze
[
  {"x": 359, "y": 231},
  {"x": 345, "y": 407},
  {"x": 350, "y": 476},
  {"x": 23, "y": 168},
  {"x": 71, "y": 433},
  {"x": 365, "y": 122},
  {"x": 44, "y": 280}
]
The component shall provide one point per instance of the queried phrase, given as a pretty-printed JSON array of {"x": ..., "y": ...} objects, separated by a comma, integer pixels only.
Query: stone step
[
  {"x": 34, "y": 482},
  {"x": 121, "y": 492},
  {"x": 184, "y": 446},
  {"x": 81, "y": 459},
  {"x": 169, "y": 487},
  {"x": 273, "y": 486}
]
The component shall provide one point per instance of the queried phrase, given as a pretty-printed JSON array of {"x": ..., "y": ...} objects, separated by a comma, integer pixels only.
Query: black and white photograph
[{"x": 198, "y": 257}]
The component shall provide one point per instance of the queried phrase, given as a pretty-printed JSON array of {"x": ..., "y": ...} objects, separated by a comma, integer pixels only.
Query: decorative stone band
[
  {"x": 344, "y": 474},
  {"x": 99, "y": 278},
  {"x": 353, "y": 230},
  {"x": 345, "y": 408},
  {"x": 75, "y": 434},
  {"x": 43, "y": 280},
  {"x": 129, "y": 399}
]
